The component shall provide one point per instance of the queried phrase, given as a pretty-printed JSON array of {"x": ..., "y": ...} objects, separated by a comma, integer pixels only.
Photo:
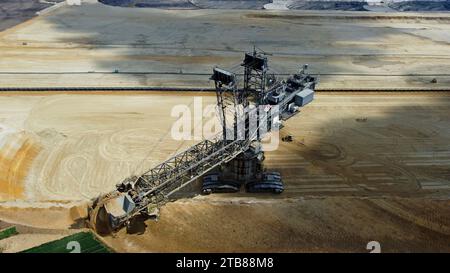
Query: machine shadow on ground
[{"x": 352, "y": 176}]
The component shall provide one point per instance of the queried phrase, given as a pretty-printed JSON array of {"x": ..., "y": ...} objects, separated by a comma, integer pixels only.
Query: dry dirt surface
[
  {"x": 75, "y": 46},
  {"x": 334, "y": 224},
  {"x": 82, "y": 145},
  {"x": 361, "y": 167}
]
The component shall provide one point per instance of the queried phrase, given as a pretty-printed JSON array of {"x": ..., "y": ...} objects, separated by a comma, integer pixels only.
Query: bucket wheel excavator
[{"x": 246, "y": 115}]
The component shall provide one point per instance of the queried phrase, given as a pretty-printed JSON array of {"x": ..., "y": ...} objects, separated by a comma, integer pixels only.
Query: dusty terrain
[
  {"x": 332, "y": 224},
  {"x": 362, "y": 167},
  {"x": 155, "y": 47},
  {"x": 86, "y": 143}
]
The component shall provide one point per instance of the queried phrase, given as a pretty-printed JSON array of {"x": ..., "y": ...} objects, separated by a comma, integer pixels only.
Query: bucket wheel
[{"x": 98, "y": 219}]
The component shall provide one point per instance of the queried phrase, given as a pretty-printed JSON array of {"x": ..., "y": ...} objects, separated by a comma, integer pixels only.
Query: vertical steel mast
[
  {"x": 225, "y": 85},
  {"x": 255, "y": 75}
]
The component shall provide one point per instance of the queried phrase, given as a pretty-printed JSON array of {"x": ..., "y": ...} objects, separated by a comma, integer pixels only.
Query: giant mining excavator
[{"x": 228, "y": 160}]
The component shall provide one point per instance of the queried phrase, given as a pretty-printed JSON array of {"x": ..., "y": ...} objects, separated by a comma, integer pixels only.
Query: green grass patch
[
  {"x": 87, "y": 242},
  {"x": 8, "y": 232}
]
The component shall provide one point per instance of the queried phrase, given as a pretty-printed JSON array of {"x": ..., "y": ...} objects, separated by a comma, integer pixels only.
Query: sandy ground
[
  {"x": 87, "y": 143},
  {"x": 32, "y": 235},
  {"x": 61, "y": 47},
  {"x": 334, "y": 224},
  {"x": 362, "y": 167},
  {"x": 371, "y": 166}
]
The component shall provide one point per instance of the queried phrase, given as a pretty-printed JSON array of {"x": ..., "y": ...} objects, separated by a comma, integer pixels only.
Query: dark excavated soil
[
  {"x": 328, "y": 5},
  {"x": 164, "y": 4},
  {"x": 186, "y": 4},
  {"x": 421, "y": 6},
  {"x": 13, "y": 12}
]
